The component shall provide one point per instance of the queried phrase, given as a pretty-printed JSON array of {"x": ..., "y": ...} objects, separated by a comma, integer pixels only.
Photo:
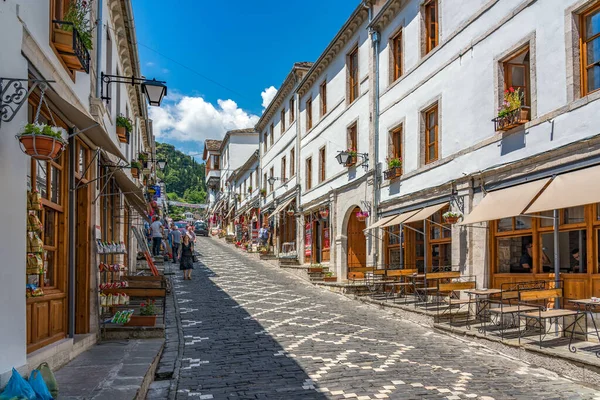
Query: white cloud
[
  {"x": 267, "y": 95},
  {"x": 194, "y": 119},
  {"x": 149, "y": 64}
]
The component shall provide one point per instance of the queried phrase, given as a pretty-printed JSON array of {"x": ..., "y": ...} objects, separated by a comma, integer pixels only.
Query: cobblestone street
[{"x": 253, "y": 331}]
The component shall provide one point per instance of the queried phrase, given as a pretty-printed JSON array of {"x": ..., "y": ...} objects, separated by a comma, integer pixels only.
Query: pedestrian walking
[
  {"x": 263, "y": 235},
  {"x": 156, "y": 231},
  {"x": 190, "y": 233},
  {"x": 186, "y": 263},
  {"x": 175, "y": 235}
]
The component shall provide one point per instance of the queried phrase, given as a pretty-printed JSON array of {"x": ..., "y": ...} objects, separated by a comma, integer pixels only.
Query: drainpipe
[
  {"x": 376, "y": 39},
  {"x": 72, "y": 233},
  {"x": 99, "y": 33}
]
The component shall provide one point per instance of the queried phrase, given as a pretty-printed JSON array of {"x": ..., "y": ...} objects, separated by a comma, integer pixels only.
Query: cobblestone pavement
[{"x": 254, "y": 331}]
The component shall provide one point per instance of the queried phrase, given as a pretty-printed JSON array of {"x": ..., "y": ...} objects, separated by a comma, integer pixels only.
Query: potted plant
[
  {"x": 143, "y": 159},
  {"x": 329, "y": 277},
  {"x": 352, "y": 156},
  {"x": 249, "y": 189},
  {"x": 75, "y": 21},
  {"x": 290, "y": 212},
  {"x": 147, "y": 315},
  {"x": 41, "y": 141},
  {"x": 511, "y": 112},
  {"x": 124, "y": 128},
  {"x": 263, "y": 250},
  {"x": 394, "y": 167},
  {"x": 452, "y": 217},
  {"x": 263, "y": 192},
  {"x": 135, "y": 169},
  {"x": 362, "y": 215},
  {"x": 324, "y": 213}
]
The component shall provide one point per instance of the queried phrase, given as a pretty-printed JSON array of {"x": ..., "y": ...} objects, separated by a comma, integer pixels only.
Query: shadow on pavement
[{"x": 226, "y": 353}]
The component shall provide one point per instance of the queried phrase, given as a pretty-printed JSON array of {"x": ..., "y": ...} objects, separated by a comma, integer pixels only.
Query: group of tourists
[{"x": 181, "y": 244}]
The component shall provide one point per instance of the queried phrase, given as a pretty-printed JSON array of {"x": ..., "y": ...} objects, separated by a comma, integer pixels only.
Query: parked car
[{"x": 201, "y": 229}]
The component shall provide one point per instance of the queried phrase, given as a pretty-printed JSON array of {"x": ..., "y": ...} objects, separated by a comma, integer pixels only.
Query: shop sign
[{"x": 308, "y": 240}]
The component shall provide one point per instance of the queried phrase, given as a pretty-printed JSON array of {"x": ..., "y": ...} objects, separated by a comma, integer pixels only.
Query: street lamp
[
  {"x": 161, "y": 164},
  {"x": 272, "y": 180},
  {"x": 154, "y": 91},
  {"x": 343, "y": 157}
]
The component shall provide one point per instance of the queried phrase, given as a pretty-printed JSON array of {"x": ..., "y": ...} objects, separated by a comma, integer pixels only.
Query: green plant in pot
[
  {"x": 42, "y": 141},
  {"x": 124, "y": 128},
  {"x": 394, "y": 167},
  {"x": 135, "y": 169},
  {"x": 78, "y": 14},
  {"x": 143, "y": 159}
]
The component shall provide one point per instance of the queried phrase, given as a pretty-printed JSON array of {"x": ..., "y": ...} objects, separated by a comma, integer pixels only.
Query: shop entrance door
[
  {"x": 317, "y": 245},
  {"x": 357, "y": 242}
]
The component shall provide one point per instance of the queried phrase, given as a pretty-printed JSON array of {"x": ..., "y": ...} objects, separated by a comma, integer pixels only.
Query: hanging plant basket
[
  {"x": 362, "y": 216},
  {"x": 324, "y": 213},
  {"x": 451, "y": 217},
  {"x": 42, "y": 147}
]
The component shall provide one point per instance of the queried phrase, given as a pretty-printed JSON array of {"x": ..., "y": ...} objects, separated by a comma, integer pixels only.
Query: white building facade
[
  {"x": 279, "y": 157},
  {"x": 64, "y": 86}
]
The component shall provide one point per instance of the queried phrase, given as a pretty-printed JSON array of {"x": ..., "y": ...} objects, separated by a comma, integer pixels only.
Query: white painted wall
[
  {"x": 235, "y": 152},
  {"x": 247, "y": 173},
  {"x": 466, "y": 87},
  {"x": 13, "y": 177},
  {"x": 330, "y": 130}
]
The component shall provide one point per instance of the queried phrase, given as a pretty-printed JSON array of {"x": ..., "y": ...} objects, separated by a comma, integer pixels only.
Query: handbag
[{"x": 194, "y": 258}]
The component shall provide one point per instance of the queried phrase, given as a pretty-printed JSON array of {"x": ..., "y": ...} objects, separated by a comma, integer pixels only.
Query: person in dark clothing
[
  {"x": 186, "y": 258},
  {"x": 526, "y": 259}
]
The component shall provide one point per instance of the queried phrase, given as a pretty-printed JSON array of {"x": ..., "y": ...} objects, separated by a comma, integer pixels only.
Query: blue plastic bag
[
  {"x": 39, "y": 386},
  {"x": 17, "y": 387}
]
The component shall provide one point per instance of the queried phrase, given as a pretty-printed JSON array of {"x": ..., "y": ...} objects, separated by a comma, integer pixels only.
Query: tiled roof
[
  {"x": 246, "y": 130},
  {"x": 212, "y": 145}
]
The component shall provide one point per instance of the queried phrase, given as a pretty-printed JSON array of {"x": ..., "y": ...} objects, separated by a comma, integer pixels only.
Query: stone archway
[{"x": 356, "y": 247}]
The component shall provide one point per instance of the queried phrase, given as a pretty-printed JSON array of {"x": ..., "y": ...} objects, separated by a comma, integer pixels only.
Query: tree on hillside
[{"x": 183, "y": 176}]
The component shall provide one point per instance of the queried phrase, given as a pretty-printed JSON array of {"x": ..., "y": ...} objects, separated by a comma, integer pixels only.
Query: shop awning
[
  {"x": 230, "y": 212},
  {"x": 505, "y": 203},
  {"x": 96, "y": 133},
  {"x": 132, "y": 192},
  {"x": 426, "y": 213},
  {"x": 399, "y": 219},
  {"x": 572, "y": 189},
  {"x": 282, "y": 207},
  {"x": 381, "y": 222}
]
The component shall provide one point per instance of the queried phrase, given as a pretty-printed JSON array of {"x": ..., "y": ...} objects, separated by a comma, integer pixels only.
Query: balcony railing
[
  {"x": 514, "y": 118},
  {"x": 392, "y": 173},
  {"x": 70, "y": 47}
]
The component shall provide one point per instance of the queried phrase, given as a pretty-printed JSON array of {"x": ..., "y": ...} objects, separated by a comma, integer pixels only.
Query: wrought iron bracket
[
  {"x": 459, "y": 201},
  {"x": 13, "y": 94},
  {"x": 108, "y": 79}
]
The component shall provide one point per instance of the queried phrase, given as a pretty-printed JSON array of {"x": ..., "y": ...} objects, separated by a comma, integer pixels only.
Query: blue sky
[{"x": 243, "y": 47}]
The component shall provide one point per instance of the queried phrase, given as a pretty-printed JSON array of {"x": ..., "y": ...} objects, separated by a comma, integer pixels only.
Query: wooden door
[
  {"x": 82, "y": 255},
  {"x": 357, "y": 242}
]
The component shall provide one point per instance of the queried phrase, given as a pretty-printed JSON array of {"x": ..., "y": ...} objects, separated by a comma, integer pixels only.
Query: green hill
[{"x": 183, "y": 176}]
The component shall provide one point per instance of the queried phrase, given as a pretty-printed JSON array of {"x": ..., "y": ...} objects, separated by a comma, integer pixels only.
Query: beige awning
[
  {"x": 426, "y": 213},
  {"x": 134, "y": 195},
  {"x": 381, "y": 222},
  {"x": 399, "y": 219},
  {"x": 505, "y": 203},
  {"x": 229, "y": 213},
  {"x": 82, "y": 121},
  {"x": 282, "y": 207},
  {"x": 569, "y": 190}
]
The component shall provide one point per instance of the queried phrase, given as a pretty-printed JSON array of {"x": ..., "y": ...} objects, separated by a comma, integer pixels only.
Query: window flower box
[
  {"x": 512, "y": 112},
  {"x": 70, "y": 46},
  {"x": 392, "y": 173},
  {"x": 142, "y": 320}
]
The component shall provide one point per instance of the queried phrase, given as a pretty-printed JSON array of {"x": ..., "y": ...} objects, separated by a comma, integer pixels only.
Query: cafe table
[
  {"x": 481, "y": 298},
  {"x": 586, "y": 307}
]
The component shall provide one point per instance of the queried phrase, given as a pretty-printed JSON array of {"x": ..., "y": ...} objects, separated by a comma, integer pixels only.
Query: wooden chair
[
  {"x": 528, "y": 300},
  {"x": 509, "y": 295},
  {"x": 448, "y": 295},
  {"x": 398, "y": 281},
  {"x": 357, "y": 275},
  {"x": 427, "y": 287}
]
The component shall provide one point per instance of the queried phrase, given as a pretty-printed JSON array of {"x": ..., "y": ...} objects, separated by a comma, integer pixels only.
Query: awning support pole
[{"x": 556, "y": 256}]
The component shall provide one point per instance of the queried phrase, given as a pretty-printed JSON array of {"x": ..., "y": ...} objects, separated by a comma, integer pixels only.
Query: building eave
[
  {"x": 334, "y": 48},
  {"x": 387, "y": 13}
]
